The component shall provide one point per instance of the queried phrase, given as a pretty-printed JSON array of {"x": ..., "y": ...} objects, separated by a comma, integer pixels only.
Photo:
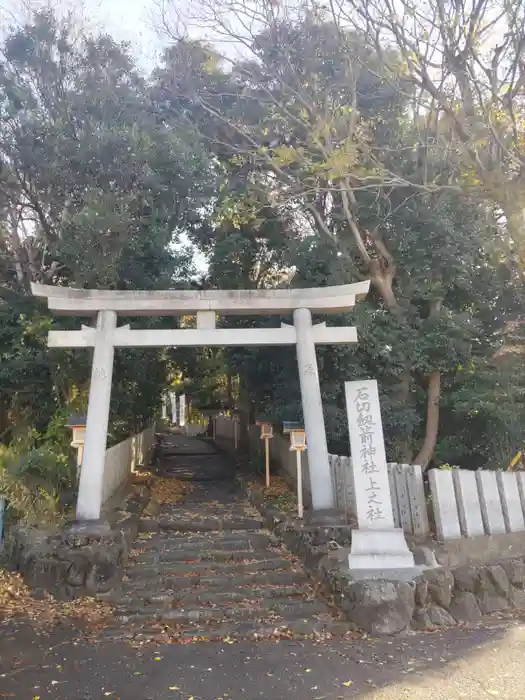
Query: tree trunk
[
  {"x": 431, "y": 432},
  {"x": 403, "y": 394},
  {"x": 433, "y": 398},
  {"x": 244, "y": 416},
  {"x": 17, "y": 250},
  {"x": 384, "y": 285}
]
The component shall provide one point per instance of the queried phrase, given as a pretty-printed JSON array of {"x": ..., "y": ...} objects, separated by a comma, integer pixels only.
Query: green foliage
[
  {"x": 35, "y": 483},
  {"x": 94, "y": 192},
  {"x": 315, "y": 143}
]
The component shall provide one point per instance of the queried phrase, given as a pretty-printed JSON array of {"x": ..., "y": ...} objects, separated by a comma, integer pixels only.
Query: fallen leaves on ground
[
  {"x": 277, "y": 487},
  {"x": 17, "y": 600},
  {"x": 169, "y": 491},
  {"x": 279, "y": 494}
]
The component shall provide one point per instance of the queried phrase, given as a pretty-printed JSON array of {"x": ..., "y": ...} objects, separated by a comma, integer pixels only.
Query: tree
[
  {"x": 314, "y": 123},
  {"x": 463, "y": 64},
  {"x": 86, "y": 163},
  {"x": 94, "y": 190}
]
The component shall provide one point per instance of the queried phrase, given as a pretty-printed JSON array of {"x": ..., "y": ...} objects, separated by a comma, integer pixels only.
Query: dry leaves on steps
[{"x": 169, "y": 491}]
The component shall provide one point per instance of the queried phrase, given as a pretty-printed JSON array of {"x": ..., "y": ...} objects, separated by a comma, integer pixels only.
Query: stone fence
[
  {"x": 472, "y": 503},
  {"x": 123, "y": 458},
  {"x": 194, "y": 429},
  {"x": 407, "y": 493},
  {"x": 406, "y": 481}
]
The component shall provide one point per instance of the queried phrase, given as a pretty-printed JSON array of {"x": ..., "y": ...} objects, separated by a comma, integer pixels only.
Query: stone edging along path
[
  {"x": 79, "y": 561},
  {"x": 439, "y": 597}
]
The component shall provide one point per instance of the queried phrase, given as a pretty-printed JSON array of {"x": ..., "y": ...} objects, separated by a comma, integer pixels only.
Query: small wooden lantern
[
  {"x": 298, "y": 440},
  {"x": 266, "y": 434},
  {"x": 266, "y": 431},
  {"x": 78, "y": 428},
  {"x": 298, "y": 445},
  {"x": 290, "y": 425}
]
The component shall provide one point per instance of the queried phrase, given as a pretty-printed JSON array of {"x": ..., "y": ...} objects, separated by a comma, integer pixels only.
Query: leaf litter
[
  {"x": 169, "y": 491},
  {"x": 18, "y": 601}
]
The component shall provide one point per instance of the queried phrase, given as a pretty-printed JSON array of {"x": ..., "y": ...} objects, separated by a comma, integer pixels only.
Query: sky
[{"x": 125, "y": 20}]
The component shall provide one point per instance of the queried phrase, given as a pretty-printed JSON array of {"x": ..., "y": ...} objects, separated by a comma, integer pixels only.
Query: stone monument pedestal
[{"x": 379, "y": 550}]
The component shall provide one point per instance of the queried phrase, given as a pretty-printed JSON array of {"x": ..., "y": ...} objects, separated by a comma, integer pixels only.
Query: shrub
[{"x": 35, "y": 484}]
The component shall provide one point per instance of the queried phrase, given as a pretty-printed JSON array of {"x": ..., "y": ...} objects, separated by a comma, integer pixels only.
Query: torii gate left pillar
[
  {"x": 90, "y": 487},
  {"x": 105, "y": 336}
]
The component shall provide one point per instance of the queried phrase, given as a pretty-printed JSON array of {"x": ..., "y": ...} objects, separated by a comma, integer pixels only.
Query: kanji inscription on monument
[{"x": 372, "y": 488}]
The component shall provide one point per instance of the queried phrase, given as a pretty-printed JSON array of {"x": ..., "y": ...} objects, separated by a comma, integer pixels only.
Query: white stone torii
[{"x": 105, "y": 336}]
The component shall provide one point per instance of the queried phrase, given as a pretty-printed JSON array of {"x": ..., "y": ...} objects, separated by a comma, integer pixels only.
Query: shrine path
[{"x": 456, "y": 664}]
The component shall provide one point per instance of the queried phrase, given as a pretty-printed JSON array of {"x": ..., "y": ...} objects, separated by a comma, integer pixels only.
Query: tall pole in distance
[{"x": 236, "y": 433}]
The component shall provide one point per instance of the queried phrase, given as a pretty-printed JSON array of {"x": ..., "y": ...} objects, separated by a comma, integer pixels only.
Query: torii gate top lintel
[{"x": 68, "y": 301}]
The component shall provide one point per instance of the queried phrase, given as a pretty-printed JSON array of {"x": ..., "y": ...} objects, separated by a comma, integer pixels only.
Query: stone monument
[{"x": 377, "y": 545}]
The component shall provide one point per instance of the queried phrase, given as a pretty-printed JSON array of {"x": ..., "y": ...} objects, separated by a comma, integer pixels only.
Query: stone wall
[
  {"x": 464, "y": 594},
  {"x": 122, "y": 459},
  {"x": 438, "y": 597},
  {"x": 79, "y": 559}
]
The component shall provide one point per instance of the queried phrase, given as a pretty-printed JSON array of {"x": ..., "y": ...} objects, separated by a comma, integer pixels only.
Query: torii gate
[{"x": 105, "y": 336}]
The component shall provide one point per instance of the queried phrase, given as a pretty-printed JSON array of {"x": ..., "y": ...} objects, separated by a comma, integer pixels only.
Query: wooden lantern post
[
  {"x": 297, "y": 445},
  {"x": 236, "y": 427},
  {"x": 266, "y": 435},
  {"x": 78, "y": 429}
]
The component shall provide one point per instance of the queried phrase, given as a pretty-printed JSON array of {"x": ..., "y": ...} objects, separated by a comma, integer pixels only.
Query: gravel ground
[{"x": 475, "y": 664}]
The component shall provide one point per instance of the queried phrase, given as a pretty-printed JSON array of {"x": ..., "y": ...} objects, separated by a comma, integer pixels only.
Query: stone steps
[
  {"x": 209, "y": 569},
  {"x": 277, "y": 577},
  {"x": 208, "y": 524},
  {"x": 261, "y": 538},
  {"x": 203, "y": 596},
  {"x": 197, "y": 568},
  {"x": 207, "y": 585},
  {"x": 210, "y": 557},
  {"x": 259, "y": 598},
  {"x": 271, "y": 611},
  {"x": 246, "y": 542},
  {"x": 260, "y": 631},
  {"x": 235, "y": 630},
  {"x": 212, "y": 514}
]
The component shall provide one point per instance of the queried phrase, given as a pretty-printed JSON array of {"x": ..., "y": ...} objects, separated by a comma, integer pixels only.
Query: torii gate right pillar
[{"x": 319, "y": 468}]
